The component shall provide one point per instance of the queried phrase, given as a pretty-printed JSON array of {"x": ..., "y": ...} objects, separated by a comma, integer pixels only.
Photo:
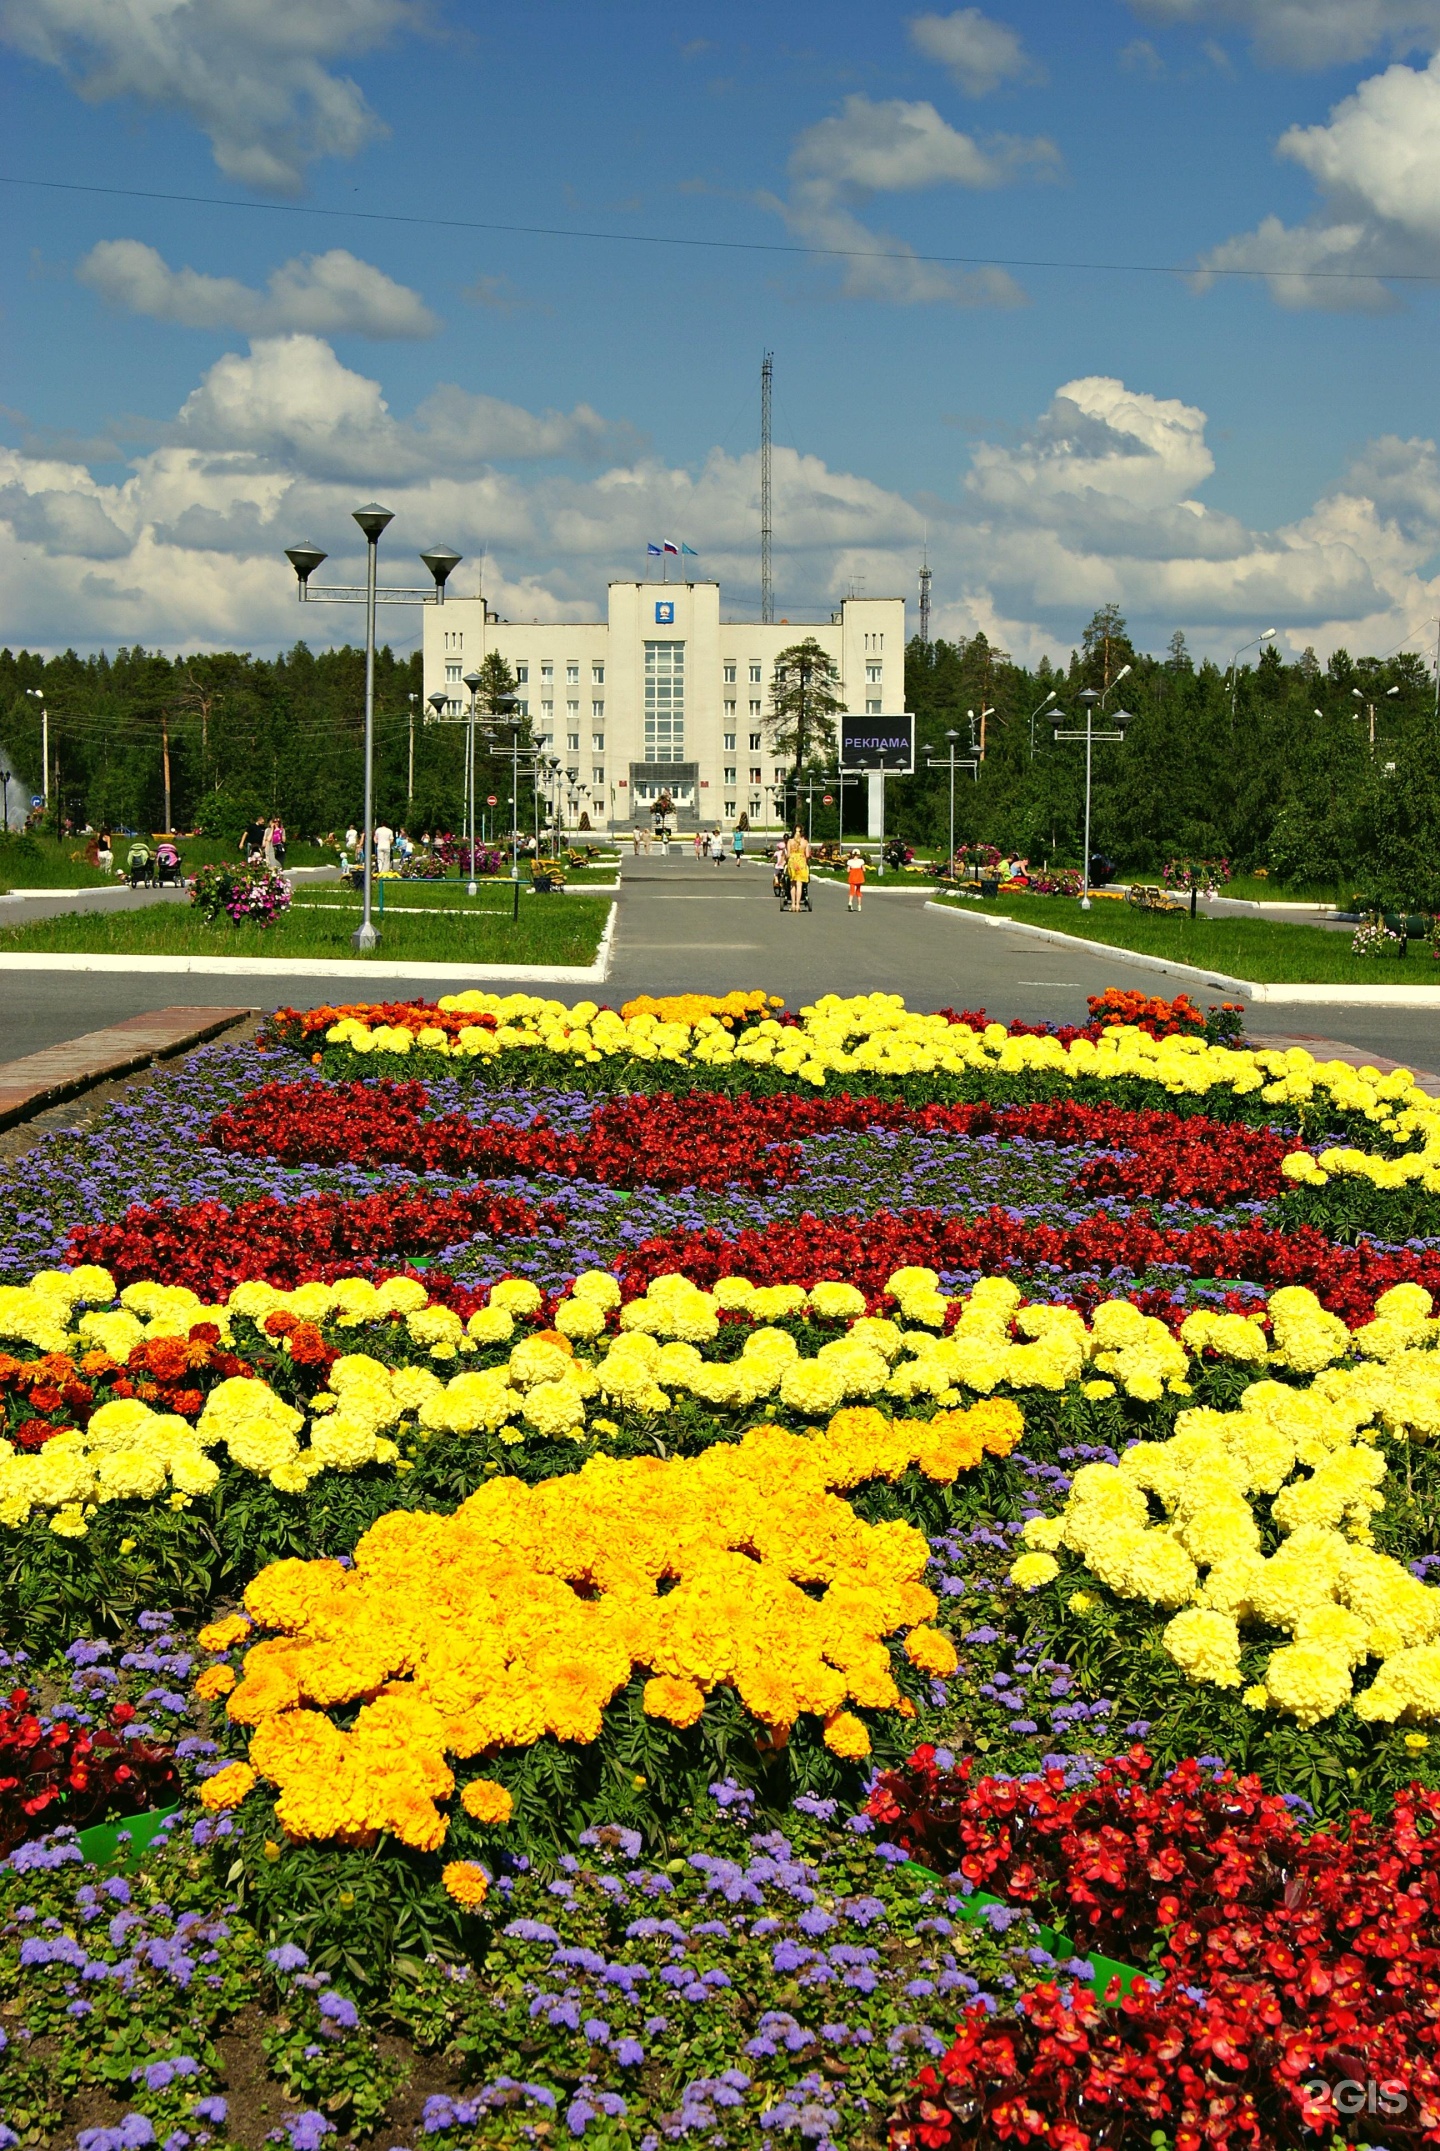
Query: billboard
[{"x": 878, "y": 742}]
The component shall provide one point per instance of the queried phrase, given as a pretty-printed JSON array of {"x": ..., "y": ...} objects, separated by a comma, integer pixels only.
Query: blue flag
[
  {"x": 655, "y": 549},
  {"x": 691, "y": 551}
]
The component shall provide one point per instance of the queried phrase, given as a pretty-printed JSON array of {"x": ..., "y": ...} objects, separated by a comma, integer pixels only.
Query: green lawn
[
  {"x": 559, "y": 930},
  {"x": 1261, "y": 949},
  {"x": 39, "y": 862}
]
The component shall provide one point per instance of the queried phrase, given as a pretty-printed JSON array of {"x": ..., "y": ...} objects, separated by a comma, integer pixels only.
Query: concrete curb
[
  {"x": 1337, "y": 996},
  {"x": 49, "y": 1077},
  {"x": 280, "y": 967}
]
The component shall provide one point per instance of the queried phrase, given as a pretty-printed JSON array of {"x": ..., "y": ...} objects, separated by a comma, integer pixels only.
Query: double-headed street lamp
[
  {"x": 1119, "y": 718},
  {"x": 1369, "y": 709},
  {"x": 305, "y": 559},
  {"x": 951, "y": 761}
]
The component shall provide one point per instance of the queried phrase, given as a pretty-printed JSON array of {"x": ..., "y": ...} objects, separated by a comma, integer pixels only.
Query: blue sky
[{"x": 189, "y": 386}]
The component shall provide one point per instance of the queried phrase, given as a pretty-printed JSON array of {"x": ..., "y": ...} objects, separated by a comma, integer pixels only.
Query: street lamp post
[
  {"x": 949, "y": 760},
  {"x": 39, "y": 694},
  {"x": 1119, "y": 718},
  {"x": 305, "y": 559},
  {"x": 474, "y": 682},
  {"x": 1255, "y": 642},
  {"x": 1369, "y": 709},
  {"x": 1034, "y": 714}
]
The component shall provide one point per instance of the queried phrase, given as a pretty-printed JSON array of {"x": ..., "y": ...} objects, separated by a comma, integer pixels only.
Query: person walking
[
  {"x": 717, "y": 845},
  {"x": 797, "y": 867},
  {"x": 855, "y": 876},
  {"x": 699, "y": 843},
  {"x": 384, "y": 847},
  {"x": 780, "y": 863},
  {"x": 738, "y": 840},
  {"x": 277, "y": 845}
]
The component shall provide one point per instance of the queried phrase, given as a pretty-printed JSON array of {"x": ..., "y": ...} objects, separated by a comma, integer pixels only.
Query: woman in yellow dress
[{"x": 797, "y": 865}]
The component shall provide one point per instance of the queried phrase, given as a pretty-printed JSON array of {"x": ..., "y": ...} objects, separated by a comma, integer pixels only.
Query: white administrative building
[{"x": 663, "y": 695}]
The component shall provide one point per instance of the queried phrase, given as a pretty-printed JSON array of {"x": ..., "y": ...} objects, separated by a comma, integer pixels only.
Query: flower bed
[{"x": 517, "y": 1474}]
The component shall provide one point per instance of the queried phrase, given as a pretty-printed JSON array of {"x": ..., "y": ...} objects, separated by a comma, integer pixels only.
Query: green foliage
[
  {"x": 1243, "y": 770},
  {"x": 805, "y": 697}
]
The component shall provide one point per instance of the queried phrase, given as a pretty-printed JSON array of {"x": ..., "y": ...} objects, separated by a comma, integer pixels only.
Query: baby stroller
[
  {"x": 140, "y": 867},
  {"x": 167, "y": 867}
]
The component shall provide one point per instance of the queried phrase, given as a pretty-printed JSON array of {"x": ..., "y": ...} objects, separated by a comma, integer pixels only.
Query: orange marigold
[
  {"x": 487, "y": 1801},
  {"x": 219, "y": 1635},
  {"x": 214, "y": 1682},
  {"x": 932, "y": 1651},
  {"x": 846, "y": 1737},
  {"x": 228, "y": 1787},
  {"x": 680, "y": 1702},
  {"x": 467, "y": 1883}
]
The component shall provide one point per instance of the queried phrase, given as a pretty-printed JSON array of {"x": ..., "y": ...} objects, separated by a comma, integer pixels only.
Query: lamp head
[
  {"x": 304, "y": 559},
  {"x": 442, "y": 563},
  {"x": 438, "y": 700},
  {"x": 474, "y": 682},
  {"x": 1120, "y": 718},
  {"x": 1320, "y": 714},
  {"x": 1392, "y": 690},
  {"x": 372, "y": 519},
  {"x": 1088, "y": 694},
  {"x": 1267, "y": 634},
  {"x": 1357, "y": 694},
  {"x": 1122, "y": 674}
]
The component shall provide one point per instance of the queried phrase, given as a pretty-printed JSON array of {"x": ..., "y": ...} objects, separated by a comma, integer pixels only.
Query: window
[
  {"x": 452, "y": 709},
  {"x": 729, "y": 776},
  {"x": 573, "y": 775},
  {"x": 572, "y": 711},
  {"x": 572, "y": 742},
  {"x": 781, "y": 775},
  {"x": 757, "y": 776},
  {"x": 754, "y": 709},
  {"x": 872, "y": 675},
  {"x": 597, "y": 742},
  {"x": 572, "y": 675},
  {"x": 729, "y": 743},
  {"x": 547, "y": 670},
  {"x": 454, "y": 638},
  {"x": 872, "y": 709},
  {"x": 729, "y": 709},
  {"x": 522, "y": 709},
  {"x": 730, "y": 806},
  {"x": 754, "y": 675},
  {"x": 664, "y": 701},
  {"x": 597, "y": 774},
  {"x": 547, "y": 711},
  {"x": 597, "y": 710},
  {"x": 522, "y": 675},
  {"x": 729, "y": 675},
  {"x": 754, "y": 741},
  {"x": 452, "y": 672},
  {"x": 597, "y": 675},
  {"x": 874, "y": 642}
]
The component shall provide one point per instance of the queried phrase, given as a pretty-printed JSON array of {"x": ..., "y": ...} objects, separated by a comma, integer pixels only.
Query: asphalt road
[{"x": 690, "y": 926}]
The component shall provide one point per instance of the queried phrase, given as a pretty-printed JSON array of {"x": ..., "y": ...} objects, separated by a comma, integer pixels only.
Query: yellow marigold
[
  {"x": 487, "y": 1801},
  {"x": 219, "y": 1635},
  {"x": 678, "y": 1701},
  {"x": 932, "y": 1651},
  {"x": 846, "y": 1736},
  {"x": 1033, "y": 1569},
  {"x": 467, "y": 1882},
  {"x": 214, "y": 1682},
  {"x": 228, "y": 1787}
]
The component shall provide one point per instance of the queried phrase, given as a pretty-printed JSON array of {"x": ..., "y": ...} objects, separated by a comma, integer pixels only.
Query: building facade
[{"x": 662, "y": 696}]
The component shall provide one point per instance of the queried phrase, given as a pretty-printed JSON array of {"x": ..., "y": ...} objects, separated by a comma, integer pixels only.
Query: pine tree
[{"x": 805, "y": 700}]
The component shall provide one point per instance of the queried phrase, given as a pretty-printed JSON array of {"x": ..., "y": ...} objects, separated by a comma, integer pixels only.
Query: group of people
[
  {"x": 714, "y": 847},
  {"x": 263, "y": 844},
  {"x": 791, "y": 863}
]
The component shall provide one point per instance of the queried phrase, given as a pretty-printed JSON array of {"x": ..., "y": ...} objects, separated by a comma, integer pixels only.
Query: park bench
[{"x": 1149, "y": 896}]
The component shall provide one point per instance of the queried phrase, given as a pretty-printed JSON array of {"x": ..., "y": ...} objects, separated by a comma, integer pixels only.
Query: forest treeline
[{"x": 1273, "y": 765}]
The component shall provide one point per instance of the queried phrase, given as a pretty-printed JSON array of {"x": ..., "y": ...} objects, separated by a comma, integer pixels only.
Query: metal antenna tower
[
  {"x": 767, "y": 592},
  {"x": 925, "y": 604}
]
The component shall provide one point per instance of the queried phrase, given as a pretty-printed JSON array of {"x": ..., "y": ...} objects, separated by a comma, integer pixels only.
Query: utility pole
[
  {"x": 767, "y": 593},
  {"x": 410, "y": 767},
  {"x": 925, "y": 604},
  {"x": 165, "y": 762}
]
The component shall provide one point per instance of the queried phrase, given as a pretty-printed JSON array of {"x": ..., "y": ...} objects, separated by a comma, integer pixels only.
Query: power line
[{"x": 724, "y": 246}]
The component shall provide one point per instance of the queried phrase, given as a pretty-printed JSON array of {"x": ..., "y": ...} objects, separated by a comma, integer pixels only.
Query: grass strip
[
  {"x": 566, "y": 931},
  {"x": 1269, "y": 951}
]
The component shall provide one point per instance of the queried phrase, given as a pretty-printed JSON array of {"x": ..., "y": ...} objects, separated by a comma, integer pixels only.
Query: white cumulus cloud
[
  {"x": 980, "y": 54},
  {"x": 1100, "y": 499},
  {"x": 896, "y": 147},
  {"x": 1376, "y": 162},
  {"x": 332, "y": 294},
  {"x": 257, "y": 76},
  {"x": 1311, "y": 33}
]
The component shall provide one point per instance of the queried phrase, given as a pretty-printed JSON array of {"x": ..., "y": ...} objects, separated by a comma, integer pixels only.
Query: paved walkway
[
  {"x": 685, "y": 925},
  {"x": 58, "y": 1072}
]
